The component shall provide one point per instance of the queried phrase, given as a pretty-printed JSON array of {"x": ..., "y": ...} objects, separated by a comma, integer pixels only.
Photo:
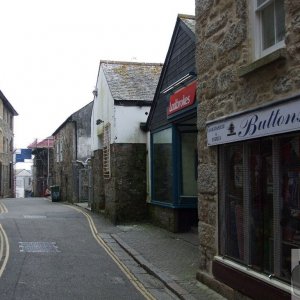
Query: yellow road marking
[
  {"x": 1, "y": 245},
  {"x": 4, "y": 236},
  {"x": 138, "y": 285},
  {"x": 3, "y": 208}
]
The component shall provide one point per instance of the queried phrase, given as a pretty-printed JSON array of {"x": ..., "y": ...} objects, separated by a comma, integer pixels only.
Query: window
[
  {"x": 57, "y": 150},
  {"x": 162, "y": 166},
  {"x": 260, "y": 203},
  {"x": 189, "y": 163},
  {"x": 270, "y": 20},
  {"x": 290, "y": 200}
]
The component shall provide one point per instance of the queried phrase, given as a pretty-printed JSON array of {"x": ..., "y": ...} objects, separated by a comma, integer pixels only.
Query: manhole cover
[
  {"x": 38, "y": 247},
  {"x": 34, "y": 217}
]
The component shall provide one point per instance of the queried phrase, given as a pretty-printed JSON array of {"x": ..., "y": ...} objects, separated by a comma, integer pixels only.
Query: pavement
[{"x": 172, "y": 258}]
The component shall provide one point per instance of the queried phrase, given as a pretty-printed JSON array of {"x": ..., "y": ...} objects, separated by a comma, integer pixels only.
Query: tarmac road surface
[{"x": 49, "y": 251}]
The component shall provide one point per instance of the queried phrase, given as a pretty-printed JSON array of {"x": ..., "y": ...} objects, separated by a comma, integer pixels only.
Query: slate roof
[
  {"x": 8, "y": 104},
  {"x": 131, "y": 80},
  {"x": 75, "y": 116},
  {"x": 46, "y": 143},
  {"x": 189, "y": 21}
]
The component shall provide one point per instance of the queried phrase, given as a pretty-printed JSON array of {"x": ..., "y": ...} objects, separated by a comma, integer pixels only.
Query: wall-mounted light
[{"x": 99, "y": 121}]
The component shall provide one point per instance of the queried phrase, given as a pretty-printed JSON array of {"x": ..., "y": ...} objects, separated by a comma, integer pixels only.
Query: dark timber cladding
[{"x": 180, "y": 61}]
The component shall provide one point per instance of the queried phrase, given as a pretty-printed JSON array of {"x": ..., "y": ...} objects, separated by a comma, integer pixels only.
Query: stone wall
[
  {"x": 229, "y": 81},
  {"x": 6, "y": 153},
  {"x": 164, "y": 217},
  {"x": 98, "y": 202},
  {"x": 65, "y": 174},
  {"x": 125, "y": 191}
]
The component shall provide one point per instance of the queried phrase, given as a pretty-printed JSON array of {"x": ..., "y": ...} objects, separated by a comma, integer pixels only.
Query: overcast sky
[{"x": 50, "y": 52}]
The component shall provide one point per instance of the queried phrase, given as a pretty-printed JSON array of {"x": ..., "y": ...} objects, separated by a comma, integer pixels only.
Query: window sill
[
  {"x": 276, "y": 55},
  {"x": 245, "y": 275}
]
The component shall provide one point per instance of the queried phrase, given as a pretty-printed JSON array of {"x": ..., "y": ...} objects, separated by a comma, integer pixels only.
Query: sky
[{"x": 50, "y": 52}]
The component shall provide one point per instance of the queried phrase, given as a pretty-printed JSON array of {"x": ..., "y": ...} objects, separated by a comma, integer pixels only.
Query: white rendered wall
[
  {"x": 102, "y": 110},
  {"x": 128, "y": 119}
]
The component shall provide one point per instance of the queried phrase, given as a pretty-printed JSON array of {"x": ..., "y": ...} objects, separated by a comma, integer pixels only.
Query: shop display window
[
  {"x": 290, "y": 198},
  {"x": 189, "y": 163},
  {"x": 162, "y": 173},
  {"x": 234, "y": 203},
  {"x": 259, "y": 206}
]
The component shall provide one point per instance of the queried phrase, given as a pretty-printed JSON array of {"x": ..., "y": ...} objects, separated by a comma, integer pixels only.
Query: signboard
[
  {"x": 281, "y": 118},
  {"x": 182, "y": 99},
  {"x": 22, "y": 154}
]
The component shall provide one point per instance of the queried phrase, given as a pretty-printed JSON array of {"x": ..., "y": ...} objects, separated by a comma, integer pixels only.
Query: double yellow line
[
  {"x": 3, "y": 208},
  {"x": 4, "y": 250},
  {"x": 138, "y": 285},
  {"x": 4, "y": 244}
]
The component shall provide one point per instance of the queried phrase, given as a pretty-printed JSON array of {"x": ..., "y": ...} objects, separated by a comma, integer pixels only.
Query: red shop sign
[{"x": 182, "y": 99}]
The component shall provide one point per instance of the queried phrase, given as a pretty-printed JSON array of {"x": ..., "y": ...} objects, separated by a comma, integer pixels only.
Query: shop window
[
  {"x": 162, "y": 170},
  {"x": 261, "y": 206},
  {"x": 189, "y": 163},
  {"x": 270, "y": 23},
  {"x": 290, "y": 194},
  {"x": 260, "y": 203},
  {"x": 234, "y": 203}
]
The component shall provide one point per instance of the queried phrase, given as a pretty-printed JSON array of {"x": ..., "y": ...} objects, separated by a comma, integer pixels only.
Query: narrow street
[{"x": 52, "y": 251}]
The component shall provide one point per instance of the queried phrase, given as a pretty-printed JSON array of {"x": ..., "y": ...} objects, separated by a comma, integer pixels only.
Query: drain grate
[
  {"x": 34, "y": 217},
  {"x": 38, "y": 247}
]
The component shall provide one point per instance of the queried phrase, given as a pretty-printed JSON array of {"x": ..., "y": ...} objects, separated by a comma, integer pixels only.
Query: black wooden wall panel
[{"x": 181, "y": 62}]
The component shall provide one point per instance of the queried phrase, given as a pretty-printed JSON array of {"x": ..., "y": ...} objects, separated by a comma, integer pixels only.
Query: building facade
[
  {"x": 23, "y": 179},
  {"x": 72, "y": 148},
  {"x": 248, "y": 65},
  {"x": 7, "y": 114},
  {"x": 42, "y": 169},
  {"x": 123, "y": 96},
  {"x": 172, "y": 135}
]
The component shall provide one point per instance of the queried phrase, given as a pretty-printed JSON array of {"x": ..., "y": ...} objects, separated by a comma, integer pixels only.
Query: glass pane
[
  {"x": 261, "y": 203},
  {"x": 234, "y": 201},
  {"x": 280, "y": 20},
  {"x": 290, "y": 193},
  {"x": 162, "y": 166},
  {"x": 189, "y": 163},
  {"x": 260, "y": 2},
  {"x": 268, "y": 26}
]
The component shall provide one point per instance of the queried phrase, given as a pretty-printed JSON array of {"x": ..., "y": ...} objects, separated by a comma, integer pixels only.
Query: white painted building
[
  {"x": 23, "y": 179},
  {"x": 123, "y": 96}
]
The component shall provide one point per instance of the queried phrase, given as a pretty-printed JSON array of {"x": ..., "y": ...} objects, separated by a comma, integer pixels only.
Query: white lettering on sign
[
  {"x": 182, "y": 99},
  {"x": 268, "y": 121},
  {"x": 179, "y": 103}
]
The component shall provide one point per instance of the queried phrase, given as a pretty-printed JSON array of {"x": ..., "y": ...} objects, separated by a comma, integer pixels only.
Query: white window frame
[
  {"x": 61, "y": 143},
  {"x": 257, "y": 24}
]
